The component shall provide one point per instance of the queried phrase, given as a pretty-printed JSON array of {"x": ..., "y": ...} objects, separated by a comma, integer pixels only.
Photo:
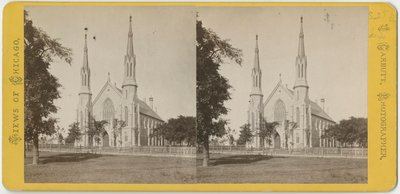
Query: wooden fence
[
  {"x": 311, "y": 152},
  {"x": 136, "y": 150}
]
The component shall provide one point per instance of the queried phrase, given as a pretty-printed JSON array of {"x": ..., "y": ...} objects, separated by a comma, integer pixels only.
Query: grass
[
  {"x": 266, "y": 169},
  {"x": 90, "y": 168}
]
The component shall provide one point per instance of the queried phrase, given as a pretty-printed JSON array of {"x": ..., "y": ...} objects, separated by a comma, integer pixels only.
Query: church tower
[
  {"x": 255, "y": 112},
  {"x": 129, "y": 85},
  {"x": 85, "y": 99},
  {"x": 301, "y": 100},
  {"x": 130, "y": 107}
]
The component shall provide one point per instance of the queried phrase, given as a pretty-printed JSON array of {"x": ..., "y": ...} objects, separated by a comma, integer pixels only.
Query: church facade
[
  {"x": 301, "y": 121},
  {"x": 130, "y": 121}
]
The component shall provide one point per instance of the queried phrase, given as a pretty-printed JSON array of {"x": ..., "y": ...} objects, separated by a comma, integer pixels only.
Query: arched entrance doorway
[
  {"x": 105, "y": 139},
  {"x": 277, "y": 140}
]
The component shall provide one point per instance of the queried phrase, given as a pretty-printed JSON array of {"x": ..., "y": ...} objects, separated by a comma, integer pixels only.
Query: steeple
[
  {"x": 301, "y": 39},
  {"x": 129, "y": 50},
  {"x": 130, "y": 60},
  {"x": 256, "y": 72},
  {"x": 256, "y": 103},
  {"x": 129, "y": 84},
  {"x": 85, "y": 70},
  {"x": 256, "y": 56},
  {"x": 301, "y": 61}
]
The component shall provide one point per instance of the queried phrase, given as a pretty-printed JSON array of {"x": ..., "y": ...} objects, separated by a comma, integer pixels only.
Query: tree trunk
[
  {"x": 206, "y": 152},
  {"x": 35, "y": 149}
]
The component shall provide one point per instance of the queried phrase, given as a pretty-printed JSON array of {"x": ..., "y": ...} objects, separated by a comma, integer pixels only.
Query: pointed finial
[
  {"x": 280, "y": 76},
  {"x": 256, "y": 42},
  {"x": 130, "y": 18},
  {"x": 301, "y": 19},
  {"x": 86, "y": 29},
  {"x": 108, "y": 79}
]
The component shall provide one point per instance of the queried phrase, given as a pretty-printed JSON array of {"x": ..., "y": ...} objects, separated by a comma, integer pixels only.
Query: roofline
[
  {"x": 102, "y": 90},
  {"x": 273, "y": 91},
  {"x": 323, "y": 118},
  {"x": 152, "y": 117}
]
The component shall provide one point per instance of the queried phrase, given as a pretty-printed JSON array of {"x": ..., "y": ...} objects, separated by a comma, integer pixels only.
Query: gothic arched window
[
  {"x": 302, "y": 70},
  {"x": 127, "y": 69},
  {"x": 108, "y": 111},
  {"x": 81, "y": 124},
  {"x": 126, "y": 114},
  {"x": 298, "y": 70},
  {"x": 297, "y": 116},
  {"x": 279, "y": 111},
  {"x": 130, "y": 69},
  {"x": 252, "y": 120}
]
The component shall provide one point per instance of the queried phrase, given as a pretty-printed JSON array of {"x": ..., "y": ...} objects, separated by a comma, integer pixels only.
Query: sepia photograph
[
  {"x": 110, "y": 94},
  {"x": 282, "y": 94},
  {"x": 199, "y": 96},
  {"x": 196, "y": 95}
]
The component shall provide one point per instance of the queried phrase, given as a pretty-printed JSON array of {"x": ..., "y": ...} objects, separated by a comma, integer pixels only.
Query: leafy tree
[
  {"x": 289, "y": 127},
  {"x": 117, "y": 131},
  {"x": 60, "y": 138},
  {"x": 41, "y": 88},
  {"x": 267, "y": 130},
  {"x": 211, "y": 87},
  {"x": 95, "y": 130},
  {"x": 349, "y": 132},
  {"x": 245, "y": 134},
  {"x": 231, "y": 140},
  {"x": 74, "y": 133},
  {"x": 178, "y": 130}
]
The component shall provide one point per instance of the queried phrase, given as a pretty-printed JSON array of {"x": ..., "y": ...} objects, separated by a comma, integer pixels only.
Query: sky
[
  {"x": 164, "y": 44},
  {"x": 336, "y": 48}
]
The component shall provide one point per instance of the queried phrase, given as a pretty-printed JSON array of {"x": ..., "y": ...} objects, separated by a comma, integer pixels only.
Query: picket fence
[
  {"x": 311, "y": 152},
  {"x": 136, "y": 150}
]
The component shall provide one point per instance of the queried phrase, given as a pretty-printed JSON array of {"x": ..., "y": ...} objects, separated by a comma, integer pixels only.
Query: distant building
[
  {"x": 114, "y": 104},
  {"x": 291, "y": 108}
]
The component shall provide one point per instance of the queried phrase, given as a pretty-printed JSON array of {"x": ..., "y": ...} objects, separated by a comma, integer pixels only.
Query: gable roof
[
  {"x": 144, "y": 108},
  {"x": 318, "y": 111},
  {"x": 279, "y": 84},
  {"x": 108, "y": 83}
]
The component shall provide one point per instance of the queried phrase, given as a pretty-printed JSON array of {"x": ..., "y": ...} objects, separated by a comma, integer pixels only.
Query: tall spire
[
  {"x": 256, "y": 56},
  {"x": 301, "y": 61},
  {"x": 256, "y": 73},
  {"x": 85, "y": 52},
  {"x": 85, "y": 70},
  {"x": 301, "y": 39},
  {"x": 129, "y": 50},
  {"x": 129, "y": 84}
]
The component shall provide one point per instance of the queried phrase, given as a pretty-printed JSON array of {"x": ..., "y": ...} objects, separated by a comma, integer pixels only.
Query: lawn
[
  {"x": 90, "y": 168},
  {"x": 266, "y": 169}
]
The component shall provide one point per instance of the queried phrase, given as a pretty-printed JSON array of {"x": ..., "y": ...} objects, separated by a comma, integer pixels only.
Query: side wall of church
[{"x": 319, "y": 126}]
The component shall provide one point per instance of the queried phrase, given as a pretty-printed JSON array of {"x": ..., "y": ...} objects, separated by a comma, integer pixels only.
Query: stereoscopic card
[{"x": 199, "y": 96}]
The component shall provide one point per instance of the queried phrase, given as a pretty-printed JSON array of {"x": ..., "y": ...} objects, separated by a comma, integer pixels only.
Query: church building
[
  {"x": 301, "y": 121},
  {"x": 130, "y": 121}
]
